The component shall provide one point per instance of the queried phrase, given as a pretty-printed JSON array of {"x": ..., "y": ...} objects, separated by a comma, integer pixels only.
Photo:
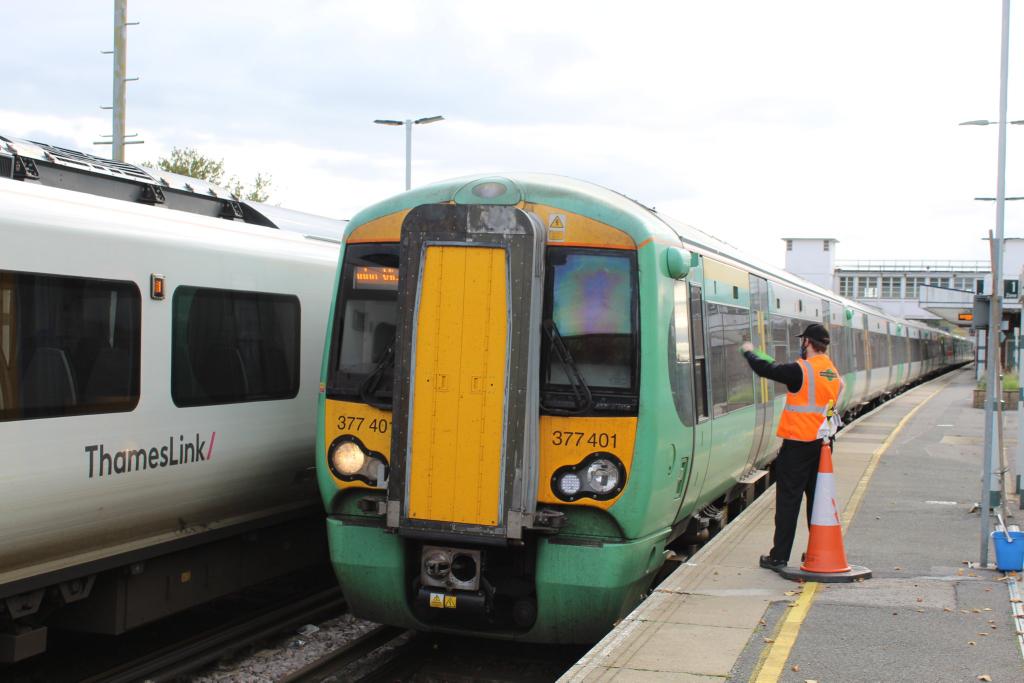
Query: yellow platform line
[{"x": 769, "y": 669}]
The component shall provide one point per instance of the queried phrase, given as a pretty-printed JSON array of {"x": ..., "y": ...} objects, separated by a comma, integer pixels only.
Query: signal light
[{"x": 156, "y": 287}]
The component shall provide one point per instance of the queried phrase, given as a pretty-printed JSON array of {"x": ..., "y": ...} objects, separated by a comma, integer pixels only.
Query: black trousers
[{"x": 796, "y": 473}]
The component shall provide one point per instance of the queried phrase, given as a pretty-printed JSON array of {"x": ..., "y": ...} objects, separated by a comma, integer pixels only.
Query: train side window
[
  {"x": 680, "y": 361},
  {"x": 857, "y": 342},
  {"x": 700, "y": 370},
  {"x": 233, "y": 346},
  {"x": 796, "y": 328},
  {"x": 732, "y": 383},
  {"x": 778, "y": 345},
  {"x": 68, "y": 345}
]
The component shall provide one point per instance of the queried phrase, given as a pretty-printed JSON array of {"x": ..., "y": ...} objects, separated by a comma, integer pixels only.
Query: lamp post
[
  {"x": 989, "y": 482},
  {"x": 408, "y": 123}
]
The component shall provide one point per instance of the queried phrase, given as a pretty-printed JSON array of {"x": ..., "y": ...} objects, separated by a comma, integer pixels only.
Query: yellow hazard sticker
[
  {"x": 556, "y": 227},
  {"x": 449, "y": 602},
  {"x": 437, "y": 600}
]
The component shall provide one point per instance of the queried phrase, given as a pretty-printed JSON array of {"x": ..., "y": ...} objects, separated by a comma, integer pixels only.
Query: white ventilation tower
[{"x": 812, "y": 258}]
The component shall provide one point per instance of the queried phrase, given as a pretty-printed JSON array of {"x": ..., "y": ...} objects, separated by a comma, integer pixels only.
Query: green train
[{"x": 532, "y": 388}]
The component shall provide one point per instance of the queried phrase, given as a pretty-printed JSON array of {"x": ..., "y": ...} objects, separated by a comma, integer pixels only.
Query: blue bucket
[{"x": 1009, "y": 556}]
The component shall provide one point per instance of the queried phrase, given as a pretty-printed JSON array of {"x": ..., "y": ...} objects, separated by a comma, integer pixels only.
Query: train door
[
  {"x": 701, "y": 400},
  {"x": 887, "y": 351},
  {"x": 864, "y": 339},
  {"x": 896, "y": 340},
  {"x": 465, "y": 447},
  {"x": 764, "y": 391}
]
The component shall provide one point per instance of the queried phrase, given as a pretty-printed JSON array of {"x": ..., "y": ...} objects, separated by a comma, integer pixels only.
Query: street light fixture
[
  {"x": 992, "y": 199},
  {"x": 984, "y": 122},
  {"x": 408, "y": 123}
]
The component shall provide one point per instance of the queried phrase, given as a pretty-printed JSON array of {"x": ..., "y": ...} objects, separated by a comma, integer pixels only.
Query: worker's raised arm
[{"x": 764, "y": 365}]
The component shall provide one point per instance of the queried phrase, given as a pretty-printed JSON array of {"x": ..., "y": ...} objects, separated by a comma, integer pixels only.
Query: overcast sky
[{"x": 752, "y": 120}]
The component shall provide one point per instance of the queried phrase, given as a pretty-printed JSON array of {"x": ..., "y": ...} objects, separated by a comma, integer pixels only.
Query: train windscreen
[
  {"x": 591, "y": 304},
  {"x": 362, "y": 341}
]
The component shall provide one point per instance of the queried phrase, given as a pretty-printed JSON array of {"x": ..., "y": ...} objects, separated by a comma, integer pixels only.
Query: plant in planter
[{"x": 1011, "y": 391}]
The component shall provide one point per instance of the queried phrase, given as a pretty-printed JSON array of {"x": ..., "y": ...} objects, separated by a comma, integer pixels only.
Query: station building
[{"x": 937, "y": 292}]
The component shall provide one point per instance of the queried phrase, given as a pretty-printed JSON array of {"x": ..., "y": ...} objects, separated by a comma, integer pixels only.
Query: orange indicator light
[{"x": 156, "y": 286}]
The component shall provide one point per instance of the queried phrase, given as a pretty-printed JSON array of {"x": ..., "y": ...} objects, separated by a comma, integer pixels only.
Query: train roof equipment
[{"x": 52, "y": 166}]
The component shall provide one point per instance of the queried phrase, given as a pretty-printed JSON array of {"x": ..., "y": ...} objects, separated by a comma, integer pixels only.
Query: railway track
[
  {"x": 389, "y": 654},
  {"x": 353, "y": 652},
  {"x": 186, "y": 656}
]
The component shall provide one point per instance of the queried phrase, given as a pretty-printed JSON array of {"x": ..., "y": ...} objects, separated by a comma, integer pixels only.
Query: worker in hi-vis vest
[{"x": 809, "y": 416}]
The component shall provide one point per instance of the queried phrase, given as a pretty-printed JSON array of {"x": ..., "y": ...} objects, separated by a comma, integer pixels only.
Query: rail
[{"x": 348, "y": 654}]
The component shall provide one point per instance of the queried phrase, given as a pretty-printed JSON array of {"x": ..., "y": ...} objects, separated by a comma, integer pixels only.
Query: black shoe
[{"x": 768, "y": 562}]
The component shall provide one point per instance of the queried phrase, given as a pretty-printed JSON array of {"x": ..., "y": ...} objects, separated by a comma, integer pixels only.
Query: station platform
[{"x": 907, "y": 477}]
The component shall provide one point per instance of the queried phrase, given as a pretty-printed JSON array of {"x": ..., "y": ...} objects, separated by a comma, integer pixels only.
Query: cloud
[{"x": 751, "y": 120}]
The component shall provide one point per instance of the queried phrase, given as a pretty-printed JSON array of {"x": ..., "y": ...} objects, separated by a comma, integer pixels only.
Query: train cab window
[
  {"x": 68, "y": 345},
  {"x": 591, "y": 309},
  {"x": 361, "y": 361},
  {"x": 233, "y": 346}
]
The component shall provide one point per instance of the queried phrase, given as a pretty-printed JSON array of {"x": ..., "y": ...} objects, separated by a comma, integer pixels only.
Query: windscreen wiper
[
  {"x": 582, "y": 397},
  {"x": 372, "y": 384}
]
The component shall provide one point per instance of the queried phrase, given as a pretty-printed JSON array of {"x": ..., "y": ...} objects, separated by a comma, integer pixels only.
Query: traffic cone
[
  {"x": 825, "y": 559},
  {"x": 825, "y": 551}
]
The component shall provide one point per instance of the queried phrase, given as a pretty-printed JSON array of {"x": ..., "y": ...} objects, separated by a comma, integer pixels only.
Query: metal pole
[
  {"x": 408, "y": 153},
  {"x": 119, "y": 103},
  {"x": 988, "y": 480},
  {"x": 1020, "y": 423}
]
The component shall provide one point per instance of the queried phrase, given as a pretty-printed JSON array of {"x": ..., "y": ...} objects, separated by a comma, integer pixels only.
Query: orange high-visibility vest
[{"x": 806, "y": 413}]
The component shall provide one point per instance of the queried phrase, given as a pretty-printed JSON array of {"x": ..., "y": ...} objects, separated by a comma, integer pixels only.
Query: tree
[
  {"x": 260, "y": 191},
  {"x": 189, "y": 161}
]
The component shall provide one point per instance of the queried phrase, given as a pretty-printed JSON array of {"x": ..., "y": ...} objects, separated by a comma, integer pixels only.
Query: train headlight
[
  {"x": 569, "y": 483},
  {"x": 350, "y": 460},
  {"x": 600, "y": 476}
]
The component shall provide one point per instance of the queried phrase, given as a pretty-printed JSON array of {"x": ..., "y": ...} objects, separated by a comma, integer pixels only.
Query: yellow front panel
[
  {"x": 459, "y": 386},
  {"x": 370, "y": 425},
  {"x": 568, "y": 440}
]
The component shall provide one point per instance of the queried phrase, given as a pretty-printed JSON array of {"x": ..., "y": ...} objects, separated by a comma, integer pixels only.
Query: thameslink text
[{"x": 106, "y": 463}]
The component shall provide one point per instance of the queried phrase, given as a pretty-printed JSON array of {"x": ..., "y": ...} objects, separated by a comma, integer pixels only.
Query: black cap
[{"x": 818, "y": 333}]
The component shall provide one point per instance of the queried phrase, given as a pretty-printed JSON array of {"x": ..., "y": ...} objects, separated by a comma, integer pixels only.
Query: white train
[{"x": 160, "y": 350}]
